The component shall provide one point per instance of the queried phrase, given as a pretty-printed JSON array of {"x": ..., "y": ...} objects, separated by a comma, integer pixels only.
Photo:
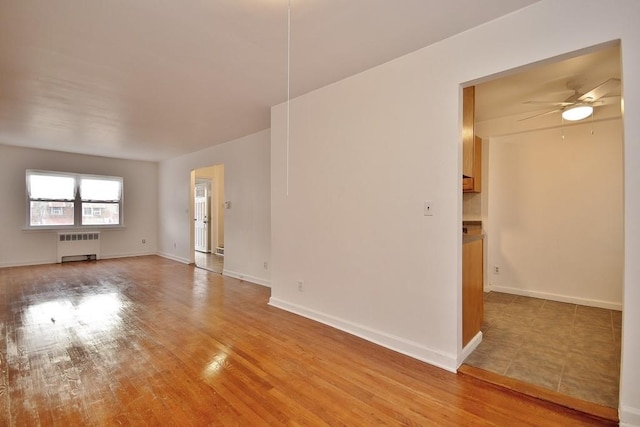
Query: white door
[{"x": 202, "y": 218}]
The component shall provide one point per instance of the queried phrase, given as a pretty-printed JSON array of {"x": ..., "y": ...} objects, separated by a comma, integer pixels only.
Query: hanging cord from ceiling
[
  {"x": 288, "y": 88},
  {"x": 592, "y": 121}
]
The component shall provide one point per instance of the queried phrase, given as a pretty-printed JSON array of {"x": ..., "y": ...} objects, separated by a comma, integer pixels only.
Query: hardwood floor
[{"x": 148, "y": 341}]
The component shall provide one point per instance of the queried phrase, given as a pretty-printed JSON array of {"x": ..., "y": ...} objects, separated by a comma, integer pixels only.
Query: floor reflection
[
  {"x": 217, "y": 364},
  {"x": 209, "y": 261},
  {"x": 94, "y": 312}
]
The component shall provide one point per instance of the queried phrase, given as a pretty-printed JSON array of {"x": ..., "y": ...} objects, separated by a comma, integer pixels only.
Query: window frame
[{"x": 78, "y": 202}]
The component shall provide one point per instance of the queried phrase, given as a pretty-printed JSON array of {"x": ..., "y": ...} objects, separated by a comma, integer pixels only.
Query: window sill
[{"x": 72, "y": 228}]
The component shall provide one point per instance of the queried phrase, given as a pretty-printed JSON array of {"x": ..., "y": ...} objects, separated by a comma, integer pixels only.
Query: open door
[{"x": 202, "y": 211}]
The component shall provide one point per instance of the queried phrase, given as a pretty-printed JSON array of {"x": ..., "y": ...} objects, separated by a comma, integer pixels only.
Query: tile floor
[
  {"x": 569, "y": 348},
  {"x": 209, "y": 261}
]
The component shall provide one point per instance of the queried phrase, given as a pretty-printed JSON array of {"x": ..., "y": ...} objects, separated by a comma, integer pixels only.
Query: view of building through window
[
  {"x": 51, "y": 213},
  {"x": 100, "y": 213}
]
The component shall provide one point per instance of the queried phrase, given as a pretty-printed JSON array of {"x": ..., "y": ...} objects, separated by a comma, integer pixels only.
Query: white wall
[
  {"x": 247, "y": 235},
  {"x": 363, "y": 159},
  {"x": 20, "y": 247},
  {"x": 555, "y": 214},
  {"x": 367, "y": 151}
]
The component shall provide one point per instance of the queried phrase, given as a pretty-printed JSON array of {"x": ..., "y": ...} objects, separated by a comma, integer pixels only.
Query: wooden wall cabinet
[
  {"x": 471, "y": 144},
  {"x": 473, "y": 183},
  {"x": 472, "y": 287}
]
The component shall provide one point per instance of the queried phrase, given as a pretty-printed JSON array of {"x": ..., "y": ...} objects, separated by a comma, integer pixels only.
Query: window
[
  {"x": 102, "y": 196},
  {"x": 57, "y": 210},
  {"x": 64, "y": 199},
  {"x": 91, "y": 211}
]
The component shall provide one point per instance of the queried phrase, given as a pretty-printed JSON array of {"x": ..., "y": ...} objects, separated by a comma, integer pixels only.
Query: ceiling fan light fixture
[{"x": 577, "y": 112}]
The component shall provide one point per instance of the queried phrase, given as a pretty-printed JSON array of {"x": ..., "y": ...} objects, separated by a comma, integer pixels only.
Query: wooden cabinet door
[
  {"x": 471, "y": 144},
  {"x": 468, "y": 130},
  {"x": 472, "y": 289},
  {"x": 474, "y": 184}
]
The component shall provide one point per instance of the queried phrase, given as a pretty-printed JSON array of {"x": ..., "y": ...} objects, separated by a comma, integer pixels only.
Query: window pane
[
  {"x": 100, "y": 213},
  {"x": 100, "y": 189},
  {"x": 51, "y": 187},
  {"x": 51, "y": 213}
]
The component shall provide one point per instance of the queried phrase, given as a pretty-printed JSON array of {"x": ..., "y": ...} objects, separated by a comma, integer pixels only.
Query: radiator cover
[{"x": 73, "y": 244}]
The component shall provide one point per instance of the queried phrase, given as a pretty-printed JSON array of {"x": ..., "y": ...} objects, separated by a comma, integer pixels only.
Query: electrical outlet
[
  {"x": 496, "y": 269},
  {"x": 300, "y": 285},
  {"x": 144, "y": 241},
  {"x": 428, "y": 208},
  {"x": 266, "y": 265}
]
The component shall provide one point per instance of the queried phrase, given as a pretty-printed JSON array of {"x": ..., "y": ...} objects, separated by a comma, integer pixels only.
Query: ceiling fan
[{"x": 580, "y": 105}]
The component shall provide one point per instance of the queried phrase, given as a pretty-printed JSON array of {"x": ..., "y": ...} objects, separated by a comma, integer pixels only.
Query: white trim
[
  {"x": 126, "y": 255},
  {"x": 401, "y": 345},
  {"x": 629, "y": 416},
  {"x": 173, "y": 257},
  {"x": 72, "y": 229},
  {"x": 27, "y": 263},
  {"x": 54, "y": 261},
  {"x": 247, "y": 278},
  {"x": 468, "y": 349},
  {"x": 561, "y": 298}
]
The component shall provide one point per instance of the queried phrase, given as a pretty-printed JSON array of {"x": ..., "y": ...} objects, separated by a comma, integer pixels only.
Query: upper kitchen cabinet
[{"x": 471, "y": 144}]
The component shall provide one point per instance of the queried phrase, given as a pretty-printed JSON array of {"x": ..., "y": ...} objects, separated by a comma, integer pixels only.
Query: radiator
[{"x": 82, "y": 245}]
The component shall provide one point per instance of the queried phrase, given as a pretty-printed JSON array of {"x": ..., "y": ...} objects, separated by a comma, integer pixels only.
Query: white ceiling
[{"x": 150, "y": 79}]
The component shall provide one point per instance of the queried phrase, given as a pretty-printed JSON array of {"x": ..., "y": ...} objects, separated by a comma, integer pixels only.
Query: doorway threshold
[
  {"x": 203, "y": 267},
  {"x": 209, "y": 262},
  {"x": 607, "y": 415}
]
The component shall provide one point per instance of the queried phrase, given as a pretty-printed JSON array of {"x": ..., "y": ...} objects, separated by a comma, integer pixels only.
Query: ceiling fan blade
[
  {"x": 607, "y": 100},
  {"x": 600, "y": 90},
  {"x": 540, "y": 115},
  {"x": 558, "y": 104}
]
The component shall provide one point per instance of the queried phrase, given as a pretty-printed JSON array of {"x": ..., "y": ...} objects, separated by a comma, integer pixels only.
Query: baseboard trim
[
  {"x": 247, "y": 278},
  {"x": 131, "y": 255},
  {"x": 401, "y": 345},
  {"x": 27, "y": 263},
  {"x": 468, "y": 349},
  {"x": 629, "y": 416},
  {"x": 555, "y": 297},
  {"x": 173, "y": 257},
  {"x": 55, "y": 261}
]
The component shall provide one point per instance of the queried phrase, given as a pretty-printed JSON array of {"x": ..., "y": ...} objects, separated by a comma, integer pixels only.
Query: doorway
[
  {"x": 208, "y": 218},
  {"x": 552, "y": 336},
  {"x": 202, "y": 215}
]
